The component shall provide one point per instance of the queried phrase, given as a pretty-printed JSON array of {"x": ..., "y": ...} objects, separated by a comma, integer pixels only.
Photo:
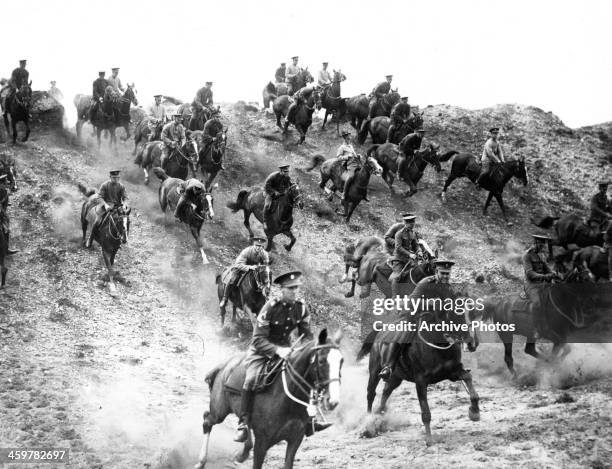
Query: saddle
[
  {"x": 227, "y": 274},
  {"x": 234, "y": 380}
]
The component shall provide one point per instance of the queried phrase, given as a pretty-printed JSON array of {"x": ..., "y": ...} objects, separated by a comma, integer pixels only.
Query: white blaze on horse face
[
  {"x": 211, "y": 212},
  {"x": 334, "y": 360}
]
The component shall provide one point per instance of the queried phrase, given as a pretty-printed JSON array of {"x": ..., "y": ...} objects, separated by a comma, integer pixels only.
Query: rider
[
  {"x": 491, "y": 154},
  {"x": 4, "y": 218},
  {"x": 537, "y": 272},
  {"x": 211, "y": 129},
  {"x": 292, "y": 71},
  {"x": 601, "y": 208},
  {"x": 349, "y": 157},
  {"x": 409, "y": 144},
  {"x": 392, "y": 346},
  {"x": 277, "y": 184},
  {"x": 157, "y": 116},
  {"x": 406, "y": 252},
  {"x": 249, "y": 259},
  {"x": 399, "y": 113},
  {"x": 391, "y": 232},
  {"x": 97, "y": 95},
  {"x": 279, "y": 76},
  {"x": 115, "y": 81},
  {"x": 55, "y": 92},
  {"x": 202, "y": 102},
  {"x": 19, "y": 77},
  {"x": 191, "y": 193},
  {"x": 112, "y": 194},
  {"x": 325, "y": 78},
  {"x": 379, "y": 92},
  {"x": 172, "y": 136}
]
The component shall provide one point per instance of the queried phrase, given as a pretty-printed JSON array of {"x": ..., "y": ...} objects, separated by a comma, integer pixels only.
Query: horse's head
[
  {"x": 220, "y": 141},
  {"x": 121, "y": 219},
  {"x": 338, "y": 76},
  {"x": 431, "y": 155},
  {"x": 520, "y": 170},
  {"x": 206, "y": 202},
  {"x": 190, "y": 147},
  {"x": 24, "y": 95},
  {"x": 415, "y": 120},
  {"x": 372, "y": 166},
  {"x": 130, "y": 94},
  {"x": 391, "y": 99},
  {"x": 262, "y": 276},
  {"x": 295, "y": 196}
]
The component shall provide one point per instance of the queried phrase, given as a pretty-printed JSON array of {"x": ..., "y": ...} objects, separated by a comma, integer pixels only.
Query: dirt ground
[{"x": 120, "y": 380}]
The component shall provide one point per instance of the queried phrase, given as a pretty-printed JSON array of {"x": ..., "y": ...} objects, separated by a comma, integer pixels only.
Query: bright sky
[{"x": 470, "y": 53}]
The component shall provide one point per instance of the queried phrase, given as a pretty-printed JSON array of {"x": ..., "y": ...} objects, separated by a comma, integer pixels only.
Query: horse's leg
[
  {"x": 324, "y": 119},
  {"x": 421, "y": 387},
  {"x": 530, "y": 348},
  {"x": 78, "y": 127},
  {"x": 207, "y": 425},
  {"x": 27, "y": 135},
  {"x": 373, "y": 380},
  {"x": 488, "y": 201},
  {"x": 351, "y": 208},
  {"x": 302, "y": 132},
  {"x": 84, "y": 225},
  {"x": 507, "y": 339},
  {"x": 98, "y": 136},
  {"x": 392, "y": 383},
  {"x": 259, "y": 452},
  {"x": 247, "y": 216},
  {"x": 292, "y": 240},
  {"x": 292, "y": 446},
  {"x": 270, "y": 243},
  {"x": 109, "y": 266},
  {"x": 3, "y": 271},
  {"x": 474, "y": 411},
  {"x": 412, "y": 186},
  {"x": 195, "y": 231},
  {"x": 500, "y": 201},
  {"x": 246, "y": 449},
  {"x": 351, "y": 292},
  {"x": 448, "y": 182},
  {"x": 278, "y": 120},
  {"x": 14, "y": 127}
]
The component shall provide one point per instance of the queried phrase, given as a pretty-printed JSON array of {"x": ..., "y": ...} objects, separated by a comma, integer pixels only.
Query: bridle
[{"x": 119, "y": 232}]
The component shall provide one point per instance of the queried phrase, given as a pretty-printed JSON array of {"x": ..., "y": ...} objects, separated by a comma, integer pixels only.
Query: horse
[
  {"x": 281, "y": 107},
  {"x": 82, "y": 103},
  {"x": 466, "y": 165},
  {"x": 311, "y": 372},
  {"x": 185, "y": 110},
  {"x": 270, "y": 93},
  {"x": 571, "y": 229},
  {"x": 381, "y": 108},
  {"x": 179, "y": 163},
  {"x": 302, "y": 117},
  {"x": 379, "y": 128},
  {"x": 143, "y": 130},
  {"x": 299, "y": 81},
  {"x": 431, "y": 356},
  {"x": 357, "y": 109},
  {"x": 594, "y": 260},
  {"x": 210, "y": 156},
  {"x": 332, "y": 102},
  {"x": 252, "y": 202},
  {"x": 388, "y": 154},
  {"x": 123, "y": 110},
  {"x": 112, "y": 232},
  {"x": 373, "y": 268},
  {"x": 194, "y": 218},
  {"x": 249, "y": 295},
  {"x": 332, "y": 169},
  {"x": 18, "y": 109}
]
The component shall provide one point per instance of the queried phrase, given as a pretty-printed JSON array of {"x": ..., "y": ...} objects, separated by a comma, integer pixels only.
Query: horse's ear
[{"x": 323, "y": 337}]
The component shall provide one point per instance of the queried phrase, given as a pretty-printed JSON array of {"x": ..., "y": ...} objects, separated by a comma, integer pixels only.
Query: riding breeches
[
  {"x": 485, "y": 171},
  {"x": 253, "y": 363},
  {"x": 268, "y": 207}
]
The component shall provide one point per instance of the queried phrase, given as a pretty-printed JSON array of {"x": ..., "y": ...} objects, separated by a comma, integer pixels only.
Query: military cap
[
  {"x": 325, "y": 63},
  {"x": 408, "y": 217},
  {"x": 444, "y": 264},
  {"x": 258, "y": 240},
  {"x": 541, "y": 238},
  {"x": 345, "y": 133},
  {"x": 603, "y": 183},
  {"x": 283, "y": 166},
  {"x": 290, "y": 279},
  {"x": 52, "y": 82},
  {"x": 283, "y": 63},
  {"x": 388, "y": 76},
  {"x": 102, "y": 73},
  {"x": 209, "y": 82},
  {"x": 114, "y": 172},
  {"x": 494, "y": 129},
  {"x": 114, "y": 68},
  {"x": 295, "y": 57},
  {"x": 22, "y": 61},
  {"x": 405, "y": 97},
  {"x": 157, "y": 95}
]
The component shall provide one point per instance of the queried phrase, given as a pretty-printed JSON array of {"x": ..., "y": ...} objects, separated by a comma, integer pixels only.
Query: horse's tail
[
  {"x": 240, "y": 200},
  {"x": 86, "y": 191},
  {"x": 366, "y": 347},
  {"x": 448, "y": 155},
  {"x": 315, "y": 161},
  {"x": 363, "y": 132},
  {"x": 160, "y": 173},
  {"x": 372, "y": 149},
  {"x": 211, "y": 376}
]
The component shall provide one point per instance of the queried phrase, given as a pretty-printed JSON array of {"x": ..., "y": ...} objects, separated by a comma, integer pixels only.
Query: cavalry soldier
[
  {"x": 97, "y": 94},
  {"x": 325, "y": 78},
  {"x": 279, "y": 76},
  {"x": 4, "y": 202},
  {"x": 19, "y": 77},
  {"x": 379, "y": 92},
  {"x": 406, "y": 252},
  {"x": 292, "y": 71},
  {"x": 537, "y": 273},
  {"x": 409, "y": 144},
  {"x": 191, "y": 195},
  {"x": 249, "y": 259},
  {"x": 55, "y": 92},
  {"x": 277, "y": 184},
  {"x": 601, "y": 209},
  {"x": 349, "y": 157},
  {"x": 172, "y": 136},
  {"x": 399, "y": 113},
  {"x": 115, "y": 81},
  {"x": 157, "y": 116},
  {"x": 112, "y": 194},
  {"x": 212, "y": 127},
  {"x": 278, "y": 318},
  {"x": 391, "y": 232},
  {"x": 439, "y": 285},
  {"x": 491, "y": 154},
  {"x": 202, "y": 103}
]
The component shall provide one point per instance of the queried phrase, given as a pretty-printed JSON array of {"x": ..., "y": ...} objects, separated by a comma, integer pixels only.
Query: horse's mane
[
  {"x": 270, "y": 87},
  {"x": 368, "y": 243}
]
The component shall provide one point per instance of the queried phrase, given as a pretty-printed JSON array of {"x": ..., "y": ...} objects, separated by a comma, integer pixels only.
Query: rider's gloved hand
[{"x": 283, "y": 352}]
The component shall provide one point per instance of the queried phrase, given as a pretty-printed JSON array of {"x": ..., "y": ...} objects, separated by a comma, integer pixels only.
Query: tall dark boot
[
  {"x": 246, "y": 406},
  {"x": 389, "y": 351},
  {"x": 226, "y": 291}
]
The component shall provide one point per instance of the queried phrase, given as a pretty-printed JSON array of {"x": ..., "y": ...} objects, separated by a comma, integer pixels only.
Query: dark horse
[
  {"x": 18, "y": 109},
  {"x": 123, "y": 110},
  {"x": 429, "y": 357},
  {"x": 373, "y": 268},
  {"x": 301, "y": 117},
  {"x": 250, "y": 295},
  {"x": 357, "y": 109},
  {"x": 279, "y": 410},
  {"x": 381, "y": 108},
  {"x": 179, "y": 163},
  {"x": 252, "y": 202},
  {"x": 595, "y": 261},
  {"x": 466, "y": 165},
  {"x": 332, "y": 102},
  {"x": 143, "y": 130},
  {"x": 571, "y": 229},
  {"x": 333, "y": 170},
  {"x": 299, "y": 81},
  {"x": 210, "y": 156},
  {"x": 379, "y": 128},
  {"x": 192, "y": 217},
  {"x": 112, "y": 232},
  {"x": 411, "y": 171}
]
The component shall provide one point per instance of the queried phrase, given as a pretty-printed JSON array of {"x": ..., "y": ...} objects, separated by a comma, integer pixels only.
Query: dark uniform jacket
[
  {"x": 204, "y": 97},
  {"x": 429, "y": 287},
  {"x": 277, "y": 182},
  {"x": 112, "y": 193},
  {"x": 275, "y": 322},
  {"x": 279, "y": 76},
  {"x": 390, "y": 236},
  {"x": 20, "y": 77},
  {"x": 400, "y": 111},
  {"x": 600, "y": 207},
  {"x": 251, "y": 255},
  {"x": 410, "y": 143},
  {"x": 536, "y": 270},
  {"x": 99, "y": 87},
  {"x": 382, "y": 89},
  {"x": 406, "y": 243}
]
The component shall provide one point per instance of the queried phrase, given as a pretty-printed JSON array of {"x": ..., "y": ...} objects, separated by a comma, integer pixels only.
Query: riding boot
[
  {"x": 347, "y": 186},
  {"x": 226, "y": 292},
  {"x": 389, "y": 352},
  {"x": 179, "y": 207},
  {"x": 266, "y": 214},
  {"x": 246, "y": 406}
]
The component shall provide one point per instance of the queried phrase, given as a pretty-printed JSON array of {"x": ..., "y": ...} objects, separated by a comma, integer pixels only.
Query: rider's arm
[
  {"x": 242, "y": 259},
  {"x": 104, "y": 195},
  {"x": 501, "y": 152},
  {"x": 488, "y": 151},
  {"x": 532, "y": 275},
  {"x": 260, "y": 341},
  {"x": 399, "y": 247},
  {"x": 269, "y": 184},
  {"x": 304, "y": 323}
]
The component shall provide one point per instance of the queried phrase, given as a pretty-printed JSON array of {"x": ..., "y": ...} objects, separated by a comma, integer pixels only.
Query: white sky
[{"x": 471, "y": 53}]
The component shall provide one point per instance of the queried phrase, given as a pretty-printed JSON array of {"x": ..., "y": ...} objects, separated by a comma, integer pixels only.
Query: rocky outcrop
[{"x": 46, "y": 110}]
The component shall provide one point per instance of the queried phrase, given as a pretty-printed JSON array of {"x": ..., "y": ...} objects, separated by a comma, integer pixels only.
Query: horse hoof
[
  {"x": 474, "y": 415},
  {"x": 349, "y": 295},
  {"x": 287, "y": 247}
]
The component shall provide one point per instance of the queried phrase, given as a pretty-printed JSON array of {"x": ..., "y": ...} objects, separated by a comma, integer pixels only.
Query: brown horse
[
  {"x": 357, "y": 109},
  {"x": 180, "y": 162},
  {"x": 311, "y": 372},
  {"x": 379, "y": 128},
  {"x": 332, "y": 101},
  {"x": 381, "y": 108},
  {"x": 252, "y": 202},
  {"x": 18, "y": 109},
  {"x": 334, "y": 170},
  {"x": 193, "y": 217}
]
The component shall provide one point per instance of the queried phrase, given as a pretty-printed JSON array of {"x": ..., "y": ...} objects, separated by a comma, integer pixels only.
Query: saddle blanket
[{"x": 234, "y": 379}]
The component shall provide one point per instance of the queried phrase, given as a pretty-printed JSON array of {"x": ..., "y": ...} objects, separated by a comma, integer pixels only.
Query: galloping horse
[
  {"x": 333, "y": 170},
  {"x": 381, "y": 108},
  {"x": 411, "y": 171},
  {"x": 178, "y": 164},
  {"x": 357, "y": 109},
  {"x": 18, "y": 109},
  {"x": 332, "y": 102},
  {"x": 193, "y": 217},
  {"x": 310, "y": 372},
  {"x": 252, "y": 202},
  {"x": 302, "y": 117},
  {"x": 250, "y": 295},
  {"x": 379, "y": 128},
  {"x": 210, "y": 157},
  {"x": 466, "y": 165},
  {"x": 112, "y": 232}
]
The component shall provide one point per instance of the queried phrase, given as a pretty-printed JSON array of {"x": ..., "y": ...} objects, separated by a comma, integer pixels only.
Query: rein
[{"x": 438, "y": 347}]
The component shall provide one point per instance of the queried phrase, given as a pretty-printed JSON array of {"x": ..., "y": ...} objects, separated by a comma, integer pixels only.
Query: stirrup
[{"x": 385, "y": 373}]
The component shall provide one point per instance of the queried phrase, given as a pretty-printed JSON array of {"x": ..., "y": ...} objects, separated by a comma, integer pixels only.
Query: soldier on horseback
[
  {"x": 112, "y": 195},
  {"x": 292, "y": 71},
  {"x": 537, "y": 274},
  {"x": 249, "y": 259},
  {"x": 276, "y": 185},
  {"x": 19, "y": 77},
  {"x": 325, "y": 78},
  {"x": 157, "y": 117},
  {"x": 601, "y": 208},
  {"x": 202, "y": 104},
  {"x": 378, "y": 93},
  {"x": 399, "y": 114},
  {"x": 409, "y": 144},
  {"x": 351, "y": 160},
  {"x": 4, "y": 202},
  {"x": 395, "y": 340},
  {"x": 279, "y": 75},
  {"x": 173, "y": 137},
  {"x": 115, "y": 81},
  {"x": 211, "y": 129},
  {"x": 492, "y": 154},
  {"x": 191, "y": 194},
  {"x": 406, "y": 252},
  {"x": 97, "y": 95}
]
